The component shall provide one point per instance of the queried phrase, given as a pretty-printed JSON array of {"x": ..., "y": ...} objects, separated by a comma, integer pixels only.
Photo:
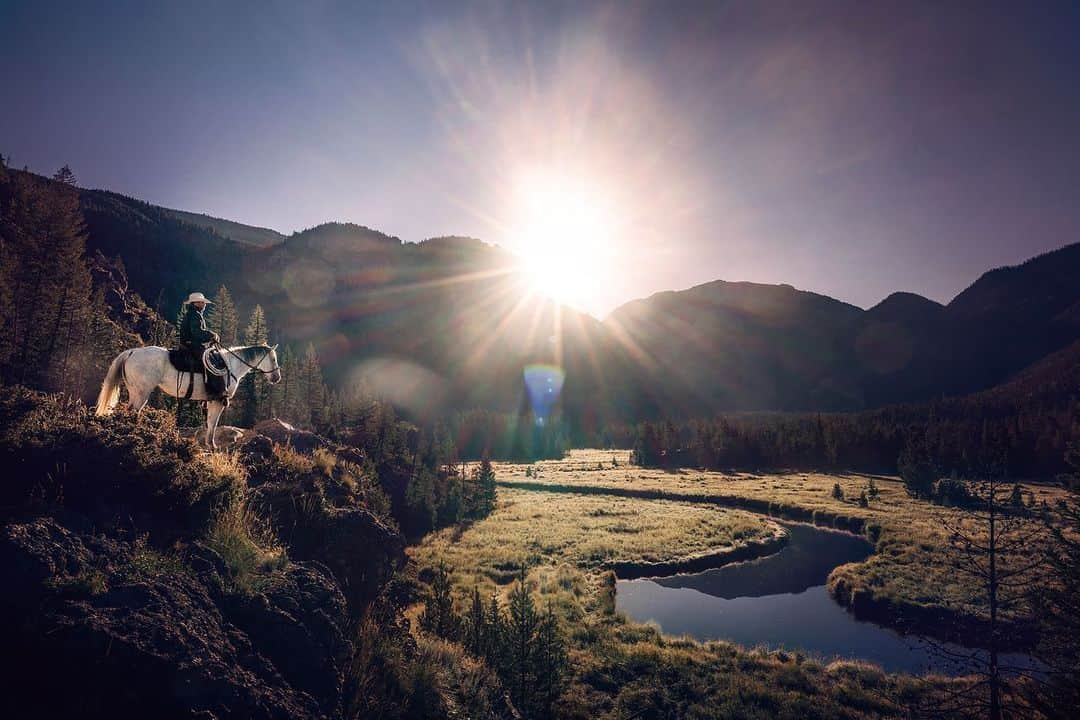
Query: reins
[{"x": 254, "y": 367}]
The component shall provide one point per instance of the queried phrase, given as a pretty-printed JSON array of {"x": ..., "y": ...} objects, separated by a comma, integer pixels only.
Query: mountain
[
  {"x": 738, "y": 346},
  {"x": 734, "y": 346},
  {"x": 450, "y": 323}
]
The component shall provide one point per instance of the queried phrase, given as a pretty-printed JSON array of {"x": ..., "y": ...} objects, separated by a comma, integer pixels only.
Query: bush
[{"x": 246, "y": 542}]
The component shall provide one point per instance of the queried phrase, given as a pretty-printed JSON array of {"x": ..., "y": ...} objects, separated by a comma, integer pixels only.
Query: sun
[{"x": 563, "y": 236}]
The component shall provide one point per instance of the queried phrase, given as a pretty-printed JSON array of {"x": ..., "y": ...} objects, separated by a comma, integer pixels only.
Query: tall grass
[{"x": 246, "y": 542}]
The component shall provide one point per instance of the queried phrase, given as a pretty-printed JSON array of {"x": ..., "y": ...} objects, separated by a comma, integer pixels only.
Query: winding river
[{"x": 780, "y": 601}]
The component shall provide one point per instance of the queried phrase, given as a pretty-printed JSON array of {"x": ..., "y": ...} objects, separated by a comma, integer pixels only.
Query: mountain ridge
[{"x": 460, "y": 313}]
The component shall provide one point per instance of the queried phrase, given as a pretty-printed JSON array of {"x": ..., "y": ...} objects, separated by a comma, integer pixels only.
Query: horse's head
[{"x": 269, "y": 365}]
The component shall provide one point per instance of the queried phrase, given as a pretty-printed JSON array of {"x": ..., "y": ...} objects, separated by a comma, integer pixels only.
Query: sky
[{"x": 848, "y": 148}]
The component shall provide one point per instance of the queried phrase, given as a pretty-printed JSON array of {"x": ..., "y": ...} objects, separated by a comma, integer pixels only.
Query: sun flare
[{"x": 563, "y": 236}]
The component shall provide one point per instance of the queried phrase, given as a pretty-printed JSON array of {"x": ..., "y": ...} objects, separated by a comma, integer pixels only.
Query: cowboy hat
[{"x": 197, "y": 297}]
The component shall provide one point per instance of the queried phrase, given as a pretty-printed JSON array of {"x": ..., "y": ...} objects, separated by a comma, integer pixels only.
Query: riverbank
[
  {"x": 909, "y": 583},
  {"x": 620, "y": 668}
]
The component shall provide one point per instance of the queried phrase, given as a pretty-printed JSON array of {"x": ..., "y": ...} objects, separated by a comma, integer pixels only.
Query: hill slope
[{"x": 450, "y": 323}]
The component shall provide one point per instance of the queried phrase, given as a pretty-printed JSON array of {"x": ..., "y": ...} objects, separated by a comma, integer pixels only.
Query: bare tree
[{"x": 993, "y": 544}]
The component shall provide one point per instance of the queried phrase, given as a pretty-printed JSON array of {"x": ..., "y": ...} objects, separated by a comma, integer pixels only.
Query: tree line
[
  {"x": 50, "y": 335},
  {"x": 956, "y": 436}
]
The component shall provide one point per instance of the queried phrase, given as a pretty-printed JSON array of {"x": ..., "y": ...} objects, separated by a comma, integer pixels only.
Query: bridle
[{"x": 254, "y": 367}]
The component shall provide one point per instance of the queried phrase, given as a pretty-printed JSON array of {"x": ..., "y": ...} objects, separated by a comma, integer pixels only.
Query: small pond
[{"x": 780, "y": 601}]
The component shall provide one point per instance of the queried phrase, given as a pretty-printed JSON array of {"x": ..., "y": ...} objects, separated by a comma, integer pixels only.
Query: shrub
[
  {"x": 837, "y": 491},
  {"x": 246, "y": 542}
]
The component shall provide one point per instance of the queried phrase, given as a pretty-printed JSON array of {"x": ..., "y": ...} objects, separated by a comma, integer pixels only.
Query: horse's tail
[{"x": 110, "y": 389}]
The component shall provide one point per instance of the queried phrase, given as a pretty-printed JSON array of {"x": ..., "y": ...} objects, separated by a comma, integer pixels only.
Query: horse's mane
[{"x": 250, "y": 353}]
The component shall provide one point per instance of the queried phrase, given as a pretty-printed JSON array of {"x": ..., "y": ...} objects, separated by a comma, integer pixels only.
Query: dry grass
[
  {"x": 558, "y": 533},
  {"x": 246, "y": 542},
  {"x": 910, "y": 564},
  {"x": 225, "y": 466},
  {"x": 623, "y": 669}
]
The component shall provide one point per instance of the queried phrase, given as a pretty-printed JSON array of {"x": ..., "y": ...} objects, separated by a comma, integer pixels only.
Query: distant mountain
[
  {"x": 244, "y": 234},
  {"x": 450, "y": 322},
  {"x": 731, "y": 346},
  {"x": 738, "y": 346}
]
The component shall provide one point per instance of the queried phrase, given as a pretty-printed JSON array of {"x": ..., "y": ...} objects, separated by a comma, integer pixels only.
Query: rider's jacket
[{"x": 193, "y": 332}]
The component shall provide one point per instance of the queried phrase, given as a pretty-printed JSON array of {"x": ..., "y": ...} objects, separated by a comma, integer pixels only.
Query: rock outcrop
[{"x": 100, "y": 629}]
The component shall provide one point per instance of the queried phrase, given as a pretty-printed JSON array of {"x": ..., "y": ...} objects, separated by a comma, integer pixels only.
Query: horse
[{"x": 143, "y": 369}]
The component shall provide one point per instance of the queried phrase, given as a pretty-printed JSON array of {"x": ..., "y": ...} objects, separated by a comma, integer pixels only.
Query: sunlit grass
[
  {"x": 558, "y": 535},
  {"x": 910, "y": 563},
  {"x": 621, "y": 668}
]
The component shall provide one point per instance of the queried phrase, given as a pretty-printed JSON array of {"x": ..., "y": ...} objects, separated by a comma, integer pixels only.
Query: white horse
[{"x": 144, "y": 369}]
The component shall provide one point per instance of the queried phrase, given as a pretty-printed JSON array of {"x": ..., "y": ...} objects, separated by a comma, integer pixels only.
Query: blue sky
[{"x": 848, "y": 148}]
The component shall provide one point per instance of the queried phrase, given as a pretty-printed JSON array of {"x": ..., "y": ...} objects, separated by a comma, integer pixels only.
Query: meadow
[
  {"x": 910, "y": 570},
  {"x": 564, "y": 521}
]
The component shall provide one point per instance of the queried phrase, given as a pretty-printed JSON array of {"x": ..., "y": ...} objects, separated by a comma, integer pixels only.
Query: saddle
[
  {"x": 210, "y": 364},
  {"x": 185, "y": 361},
  {"x": 209, "y": 361}
]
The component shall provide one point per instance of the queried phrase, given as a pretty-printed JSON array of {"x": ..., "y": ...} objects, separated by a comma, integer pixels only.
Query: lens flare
[{"x": 543, "y": 383}]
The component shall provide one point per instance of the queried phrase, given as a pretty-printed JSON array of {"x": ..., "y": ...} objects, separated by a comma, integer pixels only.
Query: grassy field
[
  {"x": 621, "y": 669},
  {"x": 570, "y": 539},
  {"x": 908, "y": 569}
]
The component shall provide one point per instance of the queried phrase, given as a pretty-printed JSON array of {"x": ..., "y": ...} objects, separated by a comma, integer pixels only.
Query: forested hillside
[{"x": 449, "y": 325}]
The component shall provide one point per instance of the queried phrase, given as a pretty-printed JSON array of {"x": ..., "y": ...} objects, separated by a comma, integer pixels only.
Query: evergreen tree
[
  {"x": 521, "y": 630},
  {"x": 255, "y": 395},
  {"x": 222, "y": 317},
  {"x": 495, "y": 642},
  {"x": 917, "y": 468},
  {"x": 486, "y": 484},
  {"x": 65, "y": 175},
  {"x": 283, "y": 395},
  {"x": 549, "y": 664},
  {"x": 48, "y": 283},
  {"x": 312, "y": 389},
  {"x": 438, "y": 616},
  {"x": 476, "y": 626}
]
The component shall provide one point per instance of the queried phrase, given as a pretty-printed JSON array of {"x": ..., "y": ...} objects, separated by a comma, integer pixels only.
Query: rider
[{"x": 195, "y": 338}]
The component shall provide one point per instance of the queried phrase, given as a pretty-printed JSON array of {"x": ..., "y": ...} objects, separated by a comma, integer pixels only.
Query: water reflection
[
  {"x": 780, "y": 601},
  {"x": 805, "y": 562}
]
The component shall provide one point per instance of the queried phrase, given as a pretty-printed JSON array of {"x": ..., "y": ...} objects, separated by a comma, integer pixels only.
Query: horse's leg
[
  {"x": 213, "y": 414},
  {"x": 138, "y": 396}
]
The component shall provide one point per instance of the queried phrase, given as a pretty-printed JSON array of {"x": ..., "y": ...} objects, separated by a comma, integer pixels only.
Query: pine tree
[
  {"x": 438, "y": 616},
  {"x": 312, "y": 389},
  {"x": 284, "y": 397},
  {"x": 48, "y": 284},
  {"x": 255, "y": 395},
  {"x": 522, "y": 626},
  {"x": 495, "y": 642},
  {"x": 487, "y": 486},
  {"x": 476, "y": 626},
  {"x": 222, "y": 317},
  {"x": 65, "y": 175},
  {"x": 549, "y": 663}
]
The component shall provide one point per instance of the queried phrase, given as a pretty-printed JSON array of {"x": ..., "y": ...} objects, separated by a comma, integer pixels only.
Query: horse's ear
[{"x": 275, "y": 347}]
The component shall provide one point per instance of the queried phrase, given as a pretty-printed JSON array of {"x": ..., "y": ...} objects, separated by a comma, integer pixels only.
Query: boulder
[{"x": 282, "y": 433}]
